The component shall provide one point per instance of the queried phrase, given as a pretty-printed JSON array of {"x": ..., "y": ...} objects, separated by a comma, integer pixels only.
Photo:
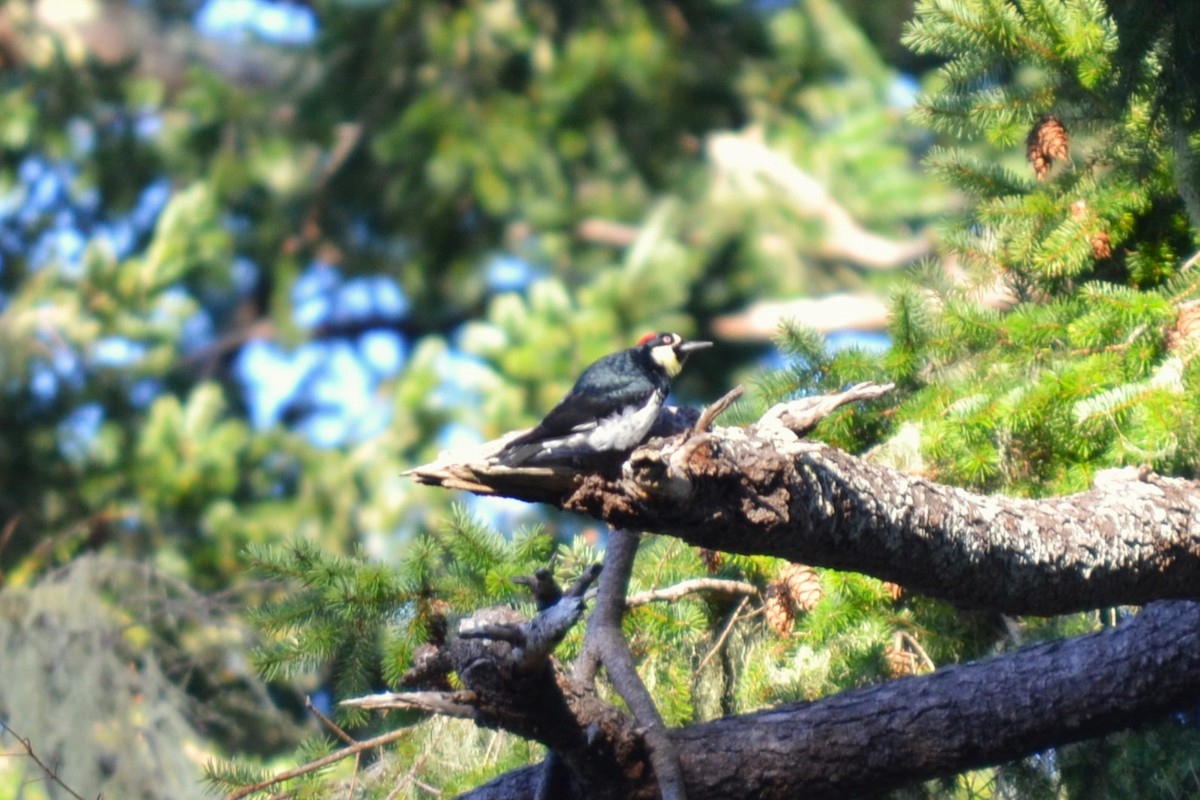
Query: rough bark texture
[
  {"x": 605, "y": 644},
  {"x": 875, "y": 739},
  {"x": 510, "y": 682},
  {"x": 1133, "y": 539}
]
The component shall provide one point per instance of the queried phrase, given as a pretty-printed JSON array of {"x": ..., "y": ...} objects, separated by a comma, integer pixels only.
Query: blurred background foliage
[{"x": 258, "y": 258}]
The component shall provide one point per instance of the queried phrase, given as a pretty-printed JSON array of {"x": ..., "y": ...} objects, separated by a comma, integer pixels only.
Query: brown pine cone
[
  {"x": 1047, "y": 141},
  {"x": 894, "y": 590},
  {"x": 1101, "y": 245},
  {"x": 1186, "y": 331},
  {"x": 899, "y": 662},
  {"x": 803, "y": 586},
  {"x": 713, "y": 559},
  {"x": 777, "y": 608}
]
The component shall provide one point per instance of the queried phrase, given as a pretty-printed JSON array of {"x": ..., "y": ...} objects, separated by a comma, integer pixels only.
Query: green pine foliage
[
  {"x": 1085, "y": 367},
  {"x": 476, "y": 130},
  {"x": 1075, "y": 373},
  {"x": 1009, "y": 66},
  {"x": 362, "y": 618},
  {"x": 229, "y": 777},
  {"x": 358, "y": 621}
]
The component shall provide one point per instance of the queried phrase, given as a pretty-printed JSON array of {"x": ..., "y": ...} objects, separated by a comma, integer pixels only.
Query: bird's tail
[{"x": 522, "y": 449}]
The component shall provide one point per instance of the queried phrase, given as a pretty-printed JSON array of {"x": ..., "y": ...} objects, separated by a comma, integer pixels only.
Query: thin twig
[
  {"x": 1109, "y": 348},
  {"x": 427, "y": 787},
  {"x": 717, "y": 408},
  {"x": 10, "y": 528},
  {"x": 354, "y": 776},
  {"x": 51, "y": 773},
  {"x": 693, "y": 586},
  {"x": 411, "y": 776},
  {"x": 449, "y": 704},
  {"x": 912, "y": 642},
  {"x": 493, "y": 745},
  {"x": 320, "y": 763},
  {"x": 333, "y": 726},
  {"x": 717, "y": 645}
]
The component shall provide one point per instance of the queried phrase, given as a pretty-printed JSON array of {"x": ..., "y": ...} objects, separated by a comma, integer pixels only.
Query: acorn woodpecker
[{"x": 612, "y": 406}]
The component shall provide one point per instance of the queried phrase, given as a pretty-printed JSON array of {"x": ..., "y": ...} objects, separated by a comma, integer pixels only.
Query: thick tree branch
[
  {"x": 960, "y": 717},
  {"x": 605, "y": 643},
  {"x": 841, "y": 311},
  {"x": 763, "y": 489},
  {"x": 504, "y": 662},
  {"x": 1132, "y": 539}
]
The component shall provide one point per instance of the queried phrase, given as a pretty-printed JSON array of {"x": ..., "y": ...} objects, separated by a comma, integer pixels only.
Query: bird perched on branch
[{"x": 612, "y": 406}]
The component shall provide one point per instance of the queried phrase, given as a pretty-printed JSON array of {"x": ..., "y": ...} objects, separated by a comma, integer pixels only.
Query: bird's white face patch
[{"x": 664, "y": 355}]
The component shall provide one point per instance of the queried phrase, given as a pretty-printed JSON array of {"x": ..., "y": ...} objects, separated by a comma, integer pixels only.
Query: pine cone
[
  {"x": 777, "y": 607},
  {"x": 1101, "y": 245},
  {"x": 803, "y": 586},
  {"x": 898, "y": 661},
  {"x": 1047, "y": 141},
  {"x": 905, "y": 657},
  {"x": 894, "y": 590},
  {"x": 713, "y": 559},
  {"x": 1186, "y": 330}
]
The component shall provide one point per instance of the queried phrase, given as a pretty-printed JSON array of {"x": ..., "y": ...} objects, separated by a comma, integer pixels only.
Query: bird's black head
[{"x": 669, "y": 350}]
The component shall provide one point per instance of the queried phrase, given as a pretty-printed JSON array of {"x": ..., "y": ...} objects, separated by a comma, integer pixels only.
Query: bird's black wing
[
  {"x": 604, "y": 388},
  {"x": 610, "y": 385}
]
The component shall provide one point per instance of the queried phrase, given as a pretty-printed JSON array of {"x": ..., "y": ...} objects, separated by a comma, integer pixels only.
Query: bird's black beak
[{"x": 691, "y": 347}]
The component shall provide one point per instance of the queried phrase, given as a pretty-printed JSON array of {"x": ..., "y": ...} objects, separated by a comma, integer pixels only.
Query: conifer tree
[
  {"x": 1075, "y": 145},
  {"x": 178, "y": 209},
  {"x": 588, "y": 142}
]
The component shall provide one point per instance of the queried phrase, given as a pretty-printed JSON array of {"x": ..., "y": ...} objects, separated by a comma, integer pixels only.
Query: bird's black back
[{"x": 618, "y": 380}]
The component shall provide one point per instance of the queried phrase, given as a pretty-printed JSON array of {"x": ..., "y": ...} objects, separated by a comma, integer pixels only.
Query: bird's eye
[{"x": 668, "y": 339}]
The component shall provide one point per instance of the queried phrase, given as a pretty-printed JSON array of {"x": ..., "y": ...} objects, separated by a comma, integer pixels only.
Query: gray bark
[
  {"x": 960, "y": 717},
  {"x": 1132, "y": 539}
]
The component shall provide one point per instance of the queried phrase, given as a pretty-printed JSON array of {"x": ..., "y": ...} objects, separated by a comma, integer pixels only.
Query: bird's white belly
[{"x": 620, "y": 431}]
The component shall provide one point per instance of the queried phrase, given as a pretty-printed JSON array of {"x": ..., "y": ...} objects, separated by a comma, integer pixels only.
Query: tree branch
[
  {"x": 871, "y": 740},
  {"x": 450, "y": 704},
  {"x": 744, "y": 160},
  {"x": 763, "y": 490},
  {"x": 320, "y": 763},
  {"x": 841, "y": 311},
  {"x": 511, "y": 683},
  {"x": 605, "y": 643},
  {"x": 694, "y": 586},
  {"x": 51, "y": 773}
]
